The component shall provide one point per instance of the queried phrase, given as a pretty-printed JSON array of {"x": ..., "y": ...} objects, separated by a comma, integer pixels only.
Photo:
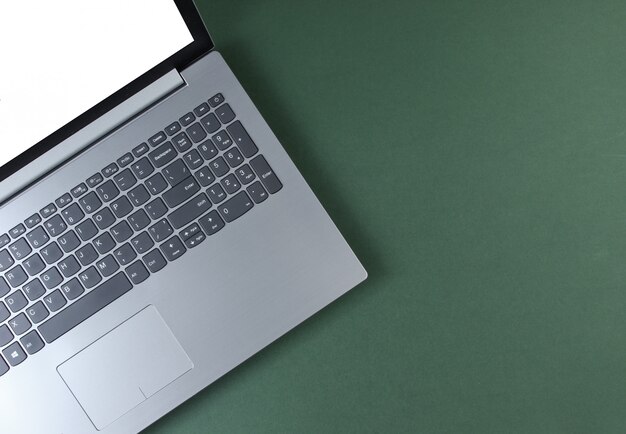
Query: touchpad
[{"x": 125, "y": 367}]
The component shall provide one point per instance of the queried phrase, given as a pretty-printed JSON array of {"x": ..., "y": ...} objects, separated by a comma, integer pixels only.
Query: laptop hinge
[{"x": 90, "y": 134}]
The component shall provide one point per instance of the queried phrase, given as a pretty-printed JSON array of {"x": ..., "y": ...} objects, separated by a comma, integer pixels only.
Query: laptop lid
[{"x": 68, "y": 62}]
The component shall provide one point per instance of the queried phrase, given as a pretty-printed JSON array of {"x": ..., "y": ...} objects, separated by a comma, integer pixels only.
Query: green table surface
[{"x": 474, "y": 156}]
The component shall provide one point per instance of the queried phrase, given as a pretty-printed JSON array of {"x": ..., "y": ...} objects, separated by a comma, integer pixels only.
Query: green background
[{"x": 474, "y": 156}]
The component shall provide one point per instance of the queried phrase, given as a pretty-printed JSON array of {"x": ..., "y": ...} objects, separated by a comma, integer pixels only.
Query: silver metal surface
[
  {"x": 224, "y": 301},
  {"x": 96, "y": 130},
  {"x": 125, "y": 367}
]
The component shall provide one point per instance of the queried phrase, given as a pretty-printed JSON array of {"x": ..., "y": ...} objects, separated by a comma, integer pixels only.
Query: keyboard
[{"x": 114, "y": 230}]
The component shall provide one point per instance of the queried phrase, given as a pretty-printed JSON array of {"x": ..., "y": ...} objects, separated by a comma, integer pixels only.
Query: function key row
[{"x": 159, "y": 157}]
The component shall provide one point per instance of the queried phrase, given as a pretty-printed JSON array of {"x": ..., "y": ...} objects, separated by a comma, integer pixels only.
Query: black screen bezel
[{"x": 202, "y": 44}]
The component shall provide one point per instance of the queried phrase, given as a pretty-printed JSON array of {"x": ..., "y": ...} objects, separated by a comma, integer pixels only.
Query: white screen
[{"x": 58, "y": 58}]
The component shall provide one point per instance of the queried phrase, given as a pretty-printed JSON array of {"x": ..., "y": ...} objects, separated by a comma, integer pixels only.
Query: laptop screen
[{"x": 62, "y": 57}]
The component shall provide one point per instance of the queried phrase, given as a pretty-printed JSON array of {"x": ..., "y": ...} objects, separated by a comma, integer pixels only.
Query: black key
[
  {"x": 125, "y": 159},
  {"x": 142, "y": 168},
  {"x": 231, "y": 184},
  {"x": 211, "y": 124},
  {"x": 5, "y": 260},
  {"x": 34, "y": 265},
  {"x": 208, "y": 150},
  {"x": 64, "y": 200},
  {"x": 192, "y": 159},
  {"x": 190, "y": 211},
  {"x": 197, "y": 133},
  {"x": 4, "y": 289},
  {"x": 216, "y": 193},
  {"x": 16, "y": 301},
  {"x": 37, "y": 237},
  {"x": 107, "y": 191},
  {"x": 37, "y": 312},
  {"x": 219, "y": 167},
  {"x": 69, "y": 241},
  {"x": 156, "y": 184},
  {"x": 142, "y": 243},
  {"x": 54, "y": 301},
  {"x": 121, "y": 207},
  {"x": 90, "y": 203},
  {"x": 79, "y": 190},
  {"x": 104, "y": 243},
  {"x": 205, "y": 176},
  {"x": 139, "y": 220},
  {"x": 73, "y": 289},
  {"x": 182, "y": 142},
  {"x": 266, "y": 174},
  {"x": 85, "y": 307},
  {"x": 216, "y": 100},
  {"x": 34, "y": 289},
  {"x": 156, "y": 209},
  {"x": 4, "y": 368},
  {"x": 20, "y": 249},
  {"x": 20, "y": 324},
  {"x": 4, "y": 240},
  {"x": 55, "y": 226},
  {"x": 239, "y": 134},
  {"x": 5, "y": 335},
  {"x": 110, "y": 170},
  {"x": 69, "y": 266},
  {"x": 86, "y": 230},
  {"x": 121, "y": 232},
  {"x": 107, "y": 266},
  {"x": 181, "y": 193},
  {"x": 211, "y": 223},
  {"x": 225, "y": 113},
  {"x": 234, "y": 157},
  {"x": 172, "y": 128},
  {"x": 222, "y": 140},
  {"x": 17, "y": 231},
  {"x": 138, "y": 151},
  {"x": 125, "y": 254},
  {"x": 195, "y": 241},
  {"x": 235, "y": 207},
  {"x": 31, "y": 222},
  {"x": 51, "y": 278},
  {"x": 73, "y": 214},
  {"x": 90, "y": 277},
  {"x": 190, "y": 231},
  {"x": 16, "y": 276},
  {"x": 187, "y": 119},
  {"x": 160, "y": 230},
  {"x": 48, "y": 210},
  {"x": 162, "y": 155},
  {"x": 104, "y": 218},
  {"x": 86, "y": 255},
  {"x": 157, "y": 139},
  {"x": 154, "y": 261},
  {"x": 51, "y": 253},
  {"x": 125, "y": 179},
  {"x": 202, "y": 110},
  {"x": 173, "y": 248},
  {"x": 139, "y": 195},
  {"x": 4, "y": 312},
  {"x": 137, "y": 272},
  {"x": 32, "y": 343},
  {"x": 14, "y": 354},
  {"x": 245, "y": 175},
  {"x": 176, "y": 172},
  {"x": 94, "y": 180}
]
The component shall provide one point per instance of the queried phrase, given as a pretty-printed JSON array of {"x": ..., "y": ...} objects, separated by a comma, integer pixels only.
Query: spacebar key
[{"x": 95, "y": 300}]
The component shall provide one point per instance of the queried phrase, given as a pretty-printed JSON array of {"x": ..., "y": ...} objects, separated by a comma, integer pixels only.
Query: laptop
[{"x": 154, "y": 234}]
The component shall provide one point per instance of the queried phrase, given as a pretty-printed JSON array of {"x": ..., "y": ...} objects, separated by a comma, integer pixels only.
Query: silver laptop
[{"x": 154, "y": 234}]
